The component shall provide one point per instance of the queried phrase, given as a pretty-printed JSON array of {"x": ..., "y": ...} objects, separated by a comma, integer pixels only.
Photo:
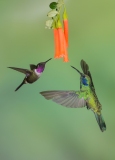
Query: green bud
[
  {"x": 53, "y": 5},
  {"x": 49, "y": 23},
  {"x": 52, "y": 13}
]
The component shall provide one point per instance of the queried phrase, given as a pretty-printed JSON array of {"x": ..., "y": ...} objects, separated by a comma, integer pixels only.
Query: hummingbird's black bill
[
  {"x": 78, "y": 71},
  {"x": 48, "y": 60}
]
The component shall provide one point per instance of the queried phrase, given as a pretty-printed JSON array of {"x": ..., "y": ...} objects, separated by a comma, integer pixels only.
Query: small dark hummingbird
[
  {"x": 33, "y": 74},
  {"x": 77, "y": 99}
]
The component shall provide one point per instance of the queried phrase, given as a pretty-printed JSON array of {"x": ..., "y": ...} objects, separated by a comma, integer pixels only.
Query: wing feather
[
  {"x": 65, "y": 98},
  {"x": 68, "y": 102},
  {"x": 84, "y": 67},
  {"x": 25, "y": 71},
  {"x": 32, "y": 66}
]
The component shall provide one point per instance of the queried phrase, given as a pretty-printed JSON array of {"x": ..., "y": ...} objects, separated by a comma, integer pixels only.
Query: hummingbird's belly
[
  {"x": 92, "y": 104},
  {"x": 32, "y": 78}
]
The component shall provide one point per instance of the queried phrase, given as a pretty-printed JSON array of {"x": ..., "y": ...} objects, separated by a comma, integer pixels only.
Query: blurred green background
[{"x": 32, "y": 128}]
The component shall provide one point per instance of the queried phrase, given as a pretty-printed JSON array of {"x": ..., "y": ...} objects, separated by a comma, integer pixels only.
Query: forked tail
[{"x": 100, "y": 121}]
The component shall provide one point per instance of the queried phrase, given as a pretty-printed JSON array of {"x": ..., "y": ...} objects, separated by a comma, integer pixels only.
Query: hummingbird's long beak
[
  {"x": 77, "y": 71},
  {"x": 48, "y": 60}
]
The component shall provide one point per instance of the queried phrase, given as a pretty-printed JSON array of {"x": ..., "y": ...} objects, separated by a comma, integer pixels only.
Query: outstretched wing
[
  {"x": 65, "y": 98},
  {"x": 25, "y": 71},
  {"x": 32, "y": 66},
  {"x": 86, "y": 71}
]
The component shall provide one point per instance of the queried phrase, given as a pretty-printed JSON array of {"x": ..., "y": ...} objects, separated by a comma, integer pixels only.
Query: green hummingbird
[
  {"x": 33, "y": 74},
  {"x": 77, "y": 99}
]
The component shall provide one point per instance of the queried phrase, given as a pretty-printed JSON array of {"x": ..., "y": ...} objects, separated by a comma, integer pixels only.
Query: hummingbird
[
  {"x": 33, "y": 74},
  {"x": 85, "y": 97}
]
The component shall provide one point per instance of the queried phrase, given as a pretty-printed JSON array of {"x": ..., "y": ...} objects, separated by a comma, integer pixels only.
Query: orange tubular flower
[
  {"x": 66, "y": 30},
  {"x": 62, "y": 45},
  {"x": 65, "y": 23},
  {"x": 61, "y": 38},
  {"x": 65, "y": 58},
  {"x": 56, "y": 43},
  {"x": 61, "y": 42}
]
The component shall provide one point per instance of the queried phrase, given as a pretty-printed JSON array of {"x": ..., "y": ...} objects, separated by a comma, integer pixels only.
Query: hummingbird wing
[
  {"x": 25, "y": 71},
  {"x": 65, "y": 98},
  {"x": 32, "y": 66},
  {"x": 84, "y": 67},
  {"x": 86, "y": 71}
]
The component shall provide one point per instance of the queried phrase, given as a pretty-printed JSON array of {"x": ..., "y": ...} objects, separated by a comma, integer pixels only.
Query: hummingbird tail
[
  {"x": 100, "y": 121},
  {"x": 20, "y": 85}
]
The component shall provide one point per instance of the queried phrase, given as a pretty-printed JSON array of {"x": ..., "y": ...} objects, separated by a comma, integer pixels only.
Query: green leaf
[{"x": 53, "y": 5}]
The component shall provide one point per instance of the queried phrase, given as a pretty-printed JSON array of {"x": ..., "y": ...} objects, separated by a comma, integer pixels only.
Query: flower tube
[
  {"x": 61, "y": 37},
  {"x": 61, "y": 42},
  {"x": 56, "y": 43},
  {"x": 65, "y": 57}
]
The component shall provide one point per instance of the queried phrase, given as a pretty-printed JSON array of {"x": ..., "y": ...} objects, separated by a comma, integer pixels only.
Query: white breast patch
[{"x": 37, "y": 73}]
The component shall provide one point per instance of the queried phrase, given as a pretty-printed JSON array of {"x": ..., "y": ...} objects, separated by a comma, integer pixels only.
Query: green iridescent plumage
[{"x": 77, "y": 99}]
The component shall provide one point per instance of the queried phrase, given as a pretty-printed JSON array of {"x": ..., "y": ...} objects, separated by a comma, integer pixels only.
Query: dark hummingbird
[
  {"x": 33, "y": 74},
  {"x": 86, "y": 96}
]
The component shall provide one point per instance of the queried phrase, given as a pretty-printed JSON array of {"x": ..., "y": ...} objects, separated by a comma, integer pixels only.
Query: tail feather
[
  {"x": 20, "y": 85},
  {"x": 100, "y": 121}
]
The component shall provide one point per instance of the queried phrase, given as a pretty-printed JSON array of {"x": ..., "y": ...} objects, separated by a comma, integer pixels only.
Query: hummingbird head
[
  {"x": 85, "y": 80},
  {"x": 41, "y": 66}
]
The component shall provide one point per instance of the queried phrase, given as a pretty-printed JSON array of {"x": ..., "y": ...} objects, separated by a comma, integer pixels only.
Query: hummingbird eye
[{"x": 39, "y": 64}]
